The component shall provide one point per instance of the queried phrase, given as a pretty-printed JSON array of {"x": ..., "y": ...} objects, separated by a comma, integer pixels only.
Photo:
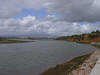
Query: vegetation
[
  {"x": 66, "y": 68},
  {"x": 5, "y": 40},
  {"x": 83, "y": 38}
]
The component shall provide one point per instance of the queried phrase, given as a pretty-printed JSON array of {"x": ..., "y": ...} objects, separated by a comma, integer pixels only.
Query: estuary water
[{"x": 35, "y": 57}]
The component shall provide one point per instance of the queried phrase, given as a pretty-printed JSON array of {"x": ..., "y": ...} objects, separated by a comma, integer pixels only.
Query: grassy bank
[
  {"x": 66, "y": 68},
  {"x": 7, "y": 41}
]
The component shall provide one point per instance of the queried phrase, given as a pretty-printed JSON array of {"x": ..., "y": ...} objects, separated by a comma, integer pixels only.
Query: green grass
[{"x": 64, "y": 69}]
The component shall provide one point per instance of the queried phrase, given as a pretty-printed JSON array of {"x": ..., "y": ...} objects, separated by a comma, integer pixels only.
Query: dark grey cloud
[
  {"x": 67, "y": 21},
  {"x": 76, "y": 10},
  {"x": 70, "y": 10},
  {"x": 9, "y": 8}
]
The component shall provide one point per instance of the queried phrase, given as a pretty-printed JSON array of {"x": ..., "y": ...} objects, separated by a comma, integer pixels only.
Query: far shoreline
[
  {"x": 10, "y": 41},
  {"x": 75, "y": 66}
]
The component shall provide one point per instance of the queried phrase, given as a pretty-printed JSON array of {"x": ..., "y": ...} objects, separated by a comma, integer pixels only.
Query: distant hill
[{"x": 83, "y": 38}]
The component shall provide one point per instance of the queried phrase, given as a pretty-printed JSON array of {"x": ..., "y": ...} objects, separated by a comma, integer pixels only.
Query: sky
[{"x": 48, "y": 17}]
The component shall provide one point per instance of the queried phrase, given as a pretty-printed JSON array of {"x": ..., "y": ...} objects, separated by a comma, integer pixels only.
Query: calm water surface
[{"x": 35, "y": 57}]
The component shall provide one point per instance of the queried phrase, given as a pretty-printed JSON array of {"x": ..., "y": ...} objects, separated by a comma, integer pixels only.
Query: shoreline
[
  {"x": 83, "y": 68},
  {"x": 81, "y": 65},
  {"x": 9, "y": 41}
]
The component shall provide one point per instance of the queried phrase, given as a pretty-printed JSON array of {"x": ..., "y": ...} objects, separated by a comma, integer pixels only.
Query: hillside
[{"x": 92, "y": 38}]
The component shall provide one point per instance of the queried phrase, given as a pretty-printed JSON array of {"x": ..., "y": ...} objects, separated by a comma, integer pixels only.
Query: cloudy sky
[{"x": 48, "y": 17}]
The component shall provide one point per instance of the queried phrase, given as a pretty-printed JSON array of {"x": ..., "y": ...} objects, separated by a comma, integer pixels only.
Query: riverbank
[
  {"x": 92, "y": 38},
  {"x": 81, "y": 65},
  {"x": 78, "y": 66},
  {"x": 7, "y": 41}
]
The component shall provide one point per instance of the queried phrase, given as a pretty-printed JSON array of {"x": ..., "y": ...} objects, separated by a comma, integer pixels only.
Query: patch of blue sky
[{"x": 38, "y": 13}]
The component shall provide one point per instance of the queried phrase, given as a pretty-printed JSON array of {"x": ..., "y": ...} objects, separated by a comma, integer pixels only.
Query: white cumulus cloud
[{"x": 29, "y": 25}]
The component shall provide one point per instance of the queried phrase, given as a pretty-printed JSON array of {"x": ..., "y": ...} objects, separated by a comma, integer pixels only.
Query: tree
[{"x": 97, "y": 31}]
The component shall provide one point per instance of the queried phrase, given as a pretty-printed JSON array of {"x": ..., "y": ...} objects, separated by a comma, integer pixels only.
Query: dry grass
[{"x": 64, "y": 69}]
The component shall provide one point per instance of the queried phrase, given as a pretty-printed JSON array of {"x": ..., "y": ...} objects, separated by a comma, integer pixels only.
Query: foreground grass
[{"x": 66, "y": 68}]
